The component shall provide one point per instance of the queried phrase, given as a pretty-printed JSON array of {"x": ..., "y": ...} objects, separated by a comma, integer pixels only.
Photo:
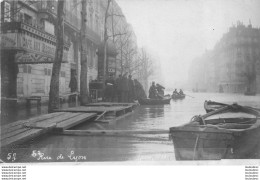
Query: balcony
[{"x": 31, "y": 28}]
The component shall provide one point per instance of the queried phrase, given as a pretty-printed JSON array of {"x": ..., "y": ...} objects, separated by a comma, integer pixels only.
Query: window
[
  {"x": 62, "y": 74},
  {"x": 27, "y": 19}
]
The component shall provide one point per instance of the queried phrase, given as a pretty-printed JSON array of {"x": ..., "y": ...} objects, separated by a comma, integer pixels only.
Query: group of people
[
  {"x": 178, "y": 93},
  {"x": 121, "y": 89},
  {"x": 156, "y": 91}
]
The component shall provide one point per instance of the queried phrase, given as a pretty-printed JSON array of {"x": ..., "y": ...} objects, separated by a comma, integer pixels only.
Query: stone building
[
  {"x": 28, "y": 45},
  {"x": 233, "y": 64}
]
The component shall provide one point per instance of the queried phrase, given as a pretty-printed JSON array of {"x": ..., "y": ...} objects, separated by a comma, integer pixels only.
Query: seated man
[
  {"x": 175, "y": 91},
  {"x": 181, "y": 92}
]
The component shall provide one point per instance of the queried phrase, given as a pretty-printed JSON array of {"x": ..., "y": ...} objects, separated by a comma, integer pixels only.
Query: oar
[{"x": 189, "y": 95}]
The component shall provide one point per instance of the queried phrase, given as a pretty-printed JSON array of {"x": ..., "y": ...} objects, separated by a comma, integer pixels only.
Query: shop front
[{"x": 27, "y": 55}]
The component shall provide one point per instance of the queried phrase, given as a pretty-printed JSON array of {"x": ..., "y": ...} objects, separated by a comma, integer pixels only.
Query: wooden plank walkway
[
  {"x": 112, "y": 132},
  {"x": 134, "y": 105},
  {"x": 110, "y": 111},
  {"x": 21, "y": 131},
  {"x": 63, "y": 119}
]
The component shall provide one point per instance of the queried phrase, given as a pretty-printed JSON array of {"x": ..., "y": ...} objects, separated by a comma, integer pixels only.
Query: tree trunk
[
  {"x": 83, "y": 56},
  {"x": 105, "y": 43},
  {"x": 54, "y": 86}
]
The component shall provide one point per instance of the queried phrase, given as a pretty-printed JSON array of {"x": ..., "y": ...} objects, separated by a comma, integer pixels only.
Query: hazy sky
[{"x": 177, "y": 31}]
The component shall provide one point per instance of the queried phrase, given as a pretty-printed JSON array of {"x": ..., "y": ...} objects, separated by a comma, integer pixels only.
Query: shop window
[
  {"x": 45, "y": 71},
  {"x": 25, "y": 68},
  {"x": 29, "y": 69},
  {"x": 62, "y": 74},
  {"x": 49, "y": 72}
]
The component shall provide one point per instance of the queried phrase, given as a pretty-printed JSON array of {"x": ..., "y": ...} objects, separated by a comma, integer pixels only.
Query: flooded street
[{"x": 146, "y": 147}]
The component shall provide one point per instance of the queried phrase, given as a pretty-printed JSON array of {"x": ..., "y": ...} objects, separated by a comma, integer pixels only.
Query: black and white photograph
[{"x": 130, "y": 82}]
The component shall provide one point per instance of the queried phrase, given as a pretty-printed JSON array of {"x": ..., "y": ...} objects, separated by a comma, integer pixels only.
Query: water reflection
[{"x": 151, "y": 147}]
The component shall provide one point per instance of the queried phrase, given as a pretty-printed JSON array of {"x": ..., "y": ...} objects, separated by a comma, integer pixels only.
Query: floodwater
[{"x": 145, "y": 147}]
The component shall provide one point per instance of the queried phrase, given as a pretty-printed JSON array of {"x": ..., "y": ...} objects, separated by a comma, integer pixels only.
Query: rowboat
[
  {"x": 178, "y": 96},
  {"x": 230, "y": 132},
  {"x": 210, "y": 106},
  {"x": 148, "y": 101},
  {"x": 249, "y": 93}
]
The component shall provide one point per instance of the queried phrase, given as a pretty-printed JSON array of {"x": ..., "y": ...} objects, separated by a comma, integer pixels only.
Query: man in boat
[
  {"x": 181, "y": 92},
  {"x": 175, "y": 91},
  {"x": 153, "y": 94},
  {"x": 160, "y": 90}
]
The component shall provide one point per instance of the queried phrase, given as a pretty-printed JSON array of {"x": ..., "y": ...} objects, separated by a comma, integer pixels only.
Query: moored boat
[
  {"x": 247, "y": 93},
  {"x": 210, "y": 106},
  {"x": 148, "y": 101},
  {"x": 178, "y": 96},
  {"x": 230, "y": 132}
]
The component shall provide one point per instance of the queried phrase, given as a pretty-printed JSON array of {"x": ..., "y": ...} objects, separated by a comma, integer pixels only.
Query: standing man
[
  {"x": 73, "y": 83},
  {"x": 131, "y": 89},
  {"x": 73, "y": 86},
  {"x": 118, "y": 85},
  {"x": 125, "y": 88},
  {"x": 152, "y": 91}
]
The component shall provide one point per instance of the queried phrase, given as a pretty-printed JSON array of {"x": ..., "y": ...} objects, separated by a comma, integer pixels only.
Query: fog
[{"x": 177, "y": 31}]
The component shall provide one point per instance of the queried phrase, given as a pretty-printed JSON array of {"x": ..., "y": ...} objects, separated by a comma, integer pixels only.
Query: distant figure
[
  {"x": 152, "y": 91},
  {"x": 139, "y": 90},
  {"x": 181, "y": 92},
  {"x": 131, "y": 89},
  {"x": 109, "y": 89},
  {"x": 124, "y": 94},
  {"x": 221, "y": 88},
  {"x": 119, "y": 88},
  {"x": 160, "y": 90},
  {"x": 175, "y": 91},
  {"x": 73, "y": 83}
]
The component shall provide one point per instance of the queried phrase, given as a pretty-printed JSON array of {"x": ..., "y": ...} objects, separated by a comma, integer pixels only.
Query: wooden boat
[
  {"x": 148, "y": 101},
  {"x": 247, "y": 93},
  {"x": 212, "y": 106},
  {"x": 178, "y": 96},
  {"x": 231, "y": 132}
]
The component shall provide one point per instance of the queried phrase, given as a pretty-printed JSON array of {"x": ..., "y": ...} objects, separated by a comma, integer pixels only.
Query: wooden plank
[
  {"x": 13, "y": 133},
  {"x": 45, "y": 116},
  {"x": 49, "y": 122},
  {"x": 16, "y": 125},
  {"x": 112, "y": 132},
  {"x": 75, "y": 121},
  {"x": 111, "y": 104},
  {"x": 11, "y": 125},
  {"x": 22, "y": 137},
  {"x": 91, "y": 109}
]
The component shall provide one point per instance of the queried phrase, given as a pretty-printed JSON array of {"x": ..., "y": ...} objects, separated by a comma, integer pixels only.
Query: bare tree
[
  {"x": 105, "y": 42},
  {"x": 83, "y": 56},
  {"x": 54, "y": 86},
  {"x": 144, "y": 67}
]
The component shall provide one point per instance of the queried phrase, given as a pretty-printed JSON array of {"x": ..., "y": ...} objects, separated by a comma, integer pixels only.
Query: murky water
[{"x": 146, "y": 147}]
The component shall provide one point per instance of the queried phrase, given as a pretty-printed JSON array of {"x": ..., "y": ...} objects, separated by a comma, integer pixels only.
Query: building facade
[
  {"x": 233, "y": 64},
  {"x": 28, "y": 45}
]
